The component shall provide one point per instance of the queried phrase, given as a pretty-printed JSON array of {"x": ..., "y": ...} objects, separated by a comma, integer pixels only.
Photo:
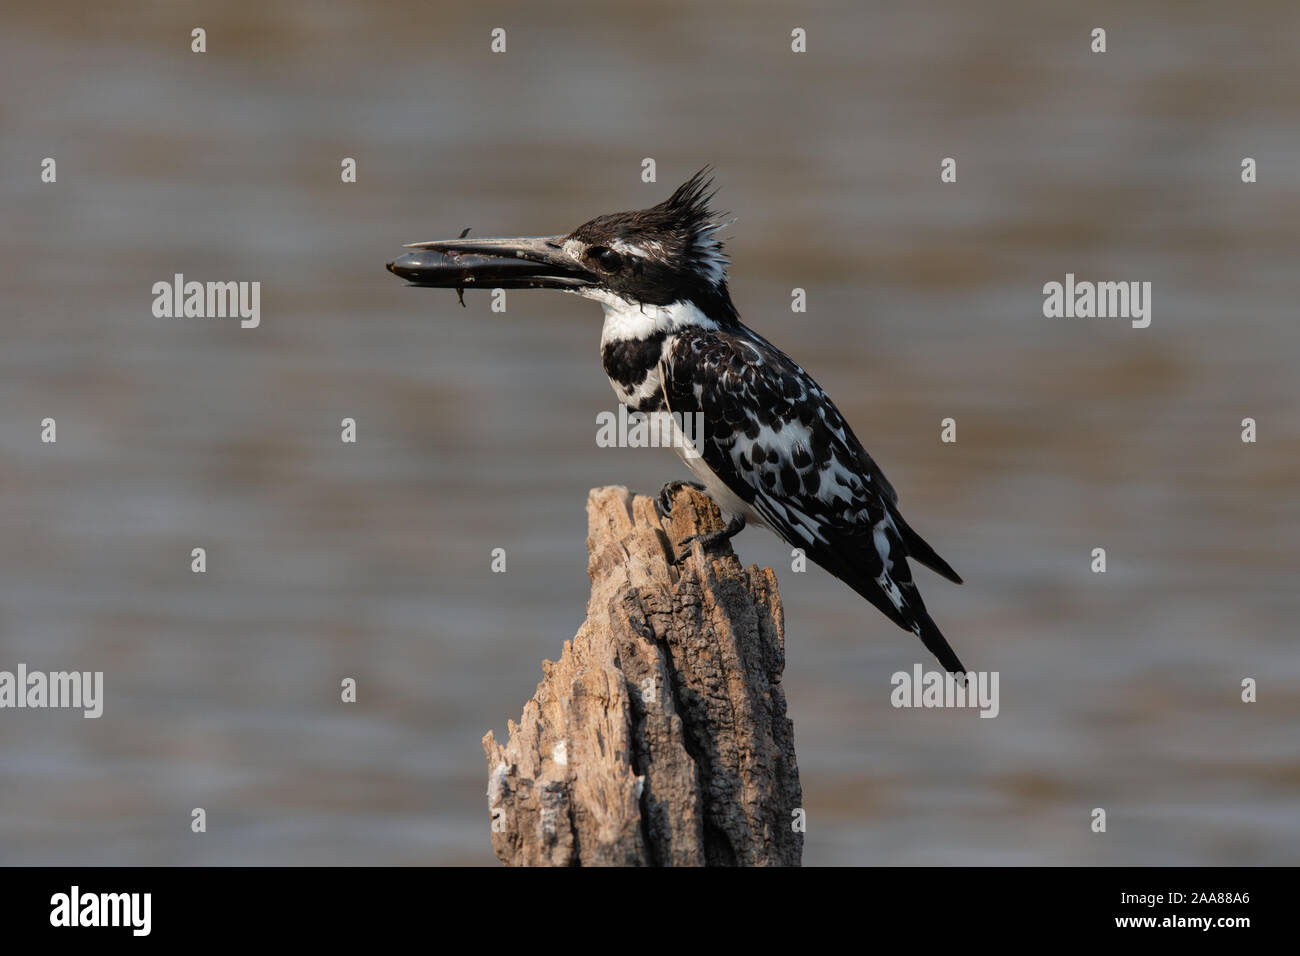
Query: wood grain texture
[{"x": 660, "y": 736}]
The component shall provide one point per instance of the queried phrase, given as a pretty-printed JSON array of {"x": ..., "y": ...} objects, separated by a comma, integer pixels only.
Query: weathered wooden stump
[{"x": 660, "y": 737}]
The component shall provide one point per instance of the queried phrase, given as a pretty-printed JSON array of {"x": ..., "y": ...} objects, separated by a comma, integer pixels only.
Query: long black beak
[{"x": 538, "y": 262}]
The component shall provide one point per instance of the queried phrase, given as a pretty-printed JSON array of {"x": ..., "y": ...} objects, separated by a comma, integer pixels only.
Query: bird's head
[{"x": 658, "y": 256}]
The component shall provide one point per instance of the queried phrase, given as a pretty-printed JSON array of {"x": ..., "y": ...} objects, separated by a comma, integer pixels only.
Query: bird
[{"x": 774, "y": 450}]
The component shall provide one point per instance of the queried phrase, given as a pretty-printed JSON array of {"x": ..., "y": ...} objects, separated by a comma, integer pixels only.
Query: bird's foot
[
  {"x": 664, "y": 500},
  {"x": 710, "y": 540}
]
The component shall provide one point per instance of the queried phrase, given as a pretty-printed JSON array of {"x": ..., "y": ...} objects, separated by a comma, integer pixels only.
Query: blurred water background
[{"x": 476, "y": 430}]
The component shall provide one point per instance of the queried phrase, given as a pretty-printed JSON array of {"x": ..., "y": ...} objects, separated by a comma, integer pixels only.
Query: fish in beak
[{"x": 537, "y": 262}]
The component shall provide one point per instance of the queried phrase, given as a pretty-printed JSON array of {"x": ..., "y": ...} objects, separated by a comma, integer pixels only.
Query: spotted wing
[{"x": 778, "y": 442}]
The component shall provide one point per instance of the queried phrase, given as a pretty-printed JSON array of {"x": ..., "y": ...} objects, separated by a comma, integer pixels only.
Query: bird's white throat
[{"x": 635, "y": 321}]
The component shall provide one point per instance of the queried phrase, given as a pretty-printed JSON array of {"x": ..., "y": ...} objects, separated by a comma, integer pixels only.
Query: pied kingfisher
[{"x": 774, "y": 450}]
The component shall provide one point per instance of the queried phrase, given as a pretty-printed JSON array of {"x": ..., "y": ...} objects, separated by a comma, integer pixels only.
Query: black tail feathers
[
  {"x": 937, "y": 645},
  {"x": 919, "y": 549}
]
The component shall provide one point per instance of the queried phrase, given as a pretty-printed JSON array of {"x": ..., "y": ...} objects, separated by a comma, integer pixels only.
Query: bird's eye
[{"x": 608, "y": 259}]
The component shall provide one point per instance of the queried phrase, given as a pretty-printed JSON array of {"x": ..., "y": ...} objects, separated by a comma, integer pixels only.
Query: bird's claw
[{"x": 664, "y": 500}]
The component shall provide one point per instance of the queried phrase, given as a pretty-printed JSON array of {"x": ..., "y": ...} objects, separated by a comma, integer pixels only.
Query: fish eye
[{"x": 608, "y": 259}]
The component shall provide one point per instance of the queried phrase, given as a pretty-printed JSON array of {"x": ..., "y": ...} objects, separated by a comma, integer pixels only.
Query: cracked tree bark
[{"x": 660, "y": 737}]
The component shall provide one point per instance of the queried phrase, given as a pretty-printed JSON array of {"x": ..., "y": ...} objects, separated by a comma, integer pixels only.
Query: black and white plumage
[{"x": 774, "y": 450}]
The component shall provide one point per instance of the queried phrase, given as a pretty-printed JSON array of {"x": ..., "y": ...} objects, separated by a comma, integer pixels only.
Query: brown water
[{"x": 476, "y": 429}]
